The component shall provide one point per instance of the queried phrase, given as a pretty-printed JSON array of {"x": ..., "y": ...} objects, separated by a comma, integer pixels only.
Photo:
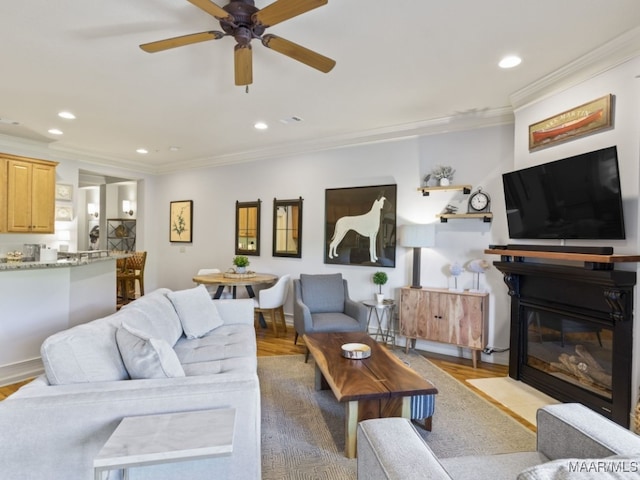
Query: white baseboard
[{"x": 18, "y": 372}]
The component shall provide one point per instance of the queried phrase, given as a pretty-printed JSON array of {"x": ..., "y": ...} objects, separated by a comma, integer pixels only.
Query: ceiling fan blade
[
  {"x": 299, "y": 53},
  {"x": 282, "y": 10},
  {"x": 212, "y": 9},
  {"x": 174, "y": 42},
  {"x": 243, "y": 64}
]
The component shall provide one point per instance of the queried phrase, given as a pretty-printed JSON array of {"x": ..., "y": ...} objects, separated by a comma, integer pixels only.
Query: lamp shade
[{"x": 417, "y": 235}]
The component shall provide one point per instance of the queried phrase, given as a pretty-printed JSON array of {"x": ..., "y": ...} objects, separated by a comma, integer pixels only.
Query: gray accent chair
[
  {"x": 571, "y": 438},
  {"x": 321, "y": 304}
]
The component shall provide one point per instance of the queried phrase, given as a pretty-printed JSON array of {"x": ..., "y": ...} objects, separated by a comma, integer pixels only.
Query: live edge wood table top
[{"x": 375, "y": 387}]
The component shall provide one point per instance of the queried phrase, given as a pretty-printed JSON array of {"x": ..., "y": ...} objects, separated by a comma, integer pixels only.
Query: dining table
[{"x": 234, "y": 280}]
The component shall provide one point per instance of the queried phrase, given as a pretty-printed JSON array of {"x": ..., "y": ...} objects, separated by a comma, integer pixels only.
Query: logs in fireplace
[{"x": 571, "y": 330}]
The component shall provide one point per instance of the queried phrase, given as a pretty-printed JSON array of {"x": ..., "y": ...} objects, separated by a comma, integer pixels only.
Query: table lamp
[{"x": 417, "y": 237}]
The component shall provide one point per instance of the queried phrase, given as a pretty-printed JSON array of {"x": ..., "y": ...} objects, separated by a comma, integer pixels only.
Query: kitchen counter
[{"x": 70, "y": 260}]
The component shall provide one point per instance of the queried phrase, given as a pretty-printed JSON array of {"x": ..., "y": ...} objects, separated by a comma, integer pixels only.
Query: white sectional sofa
[{"x": 166, "y": 352}]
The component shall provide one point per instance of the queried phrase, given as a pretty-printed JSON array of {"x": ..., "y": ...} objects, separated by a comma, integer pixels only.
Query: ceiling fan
[{"x": 244, "y": 22}]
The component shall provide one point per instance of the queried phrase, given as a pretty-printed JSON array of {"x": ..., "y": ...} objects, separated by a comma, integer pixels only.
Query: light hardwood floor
[{"x": 460, "y": 369}]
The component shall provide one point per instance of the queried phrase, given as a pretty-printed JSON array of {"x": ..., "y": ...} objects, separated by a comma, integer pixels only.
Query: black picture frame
[
  {"x": 356, "y": 212},
  {"x": 181, "y": 221}
]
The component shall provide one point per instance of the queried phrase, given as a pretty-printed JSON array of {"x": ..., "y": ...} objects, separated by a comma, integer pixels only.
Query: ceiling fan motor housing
[{"x": 243, "y": 28}]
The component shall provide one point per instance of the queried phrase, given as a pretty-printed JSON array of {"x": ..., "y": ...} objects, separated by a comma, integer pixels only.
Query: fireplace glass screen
[{"x": 570, "y": 348}]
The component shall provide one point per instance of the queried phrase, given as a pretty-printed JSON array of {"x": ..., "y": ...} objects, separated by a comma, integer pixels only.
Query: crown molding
[{"x": 607, "y": 56}]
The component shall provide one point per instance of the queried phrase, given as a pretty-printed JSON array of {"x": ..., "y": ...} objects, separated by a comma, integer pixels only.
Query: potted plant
[
  {"x": 241, "y": 263},
  {"x": 443, "y": 174},
  {"x": 380, "y": 278}
]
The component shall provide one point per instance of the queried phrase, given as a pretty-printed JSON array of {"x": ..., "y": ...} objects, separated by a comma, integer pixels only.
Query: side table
[
  {"x": 381, "y": 312},
  {"x": 166, "y": 438}
]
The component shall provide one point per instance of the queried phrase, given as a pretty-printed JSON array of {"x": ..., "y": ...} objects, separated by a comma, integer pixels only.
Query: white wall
[
  {"x": 479, "y": 157},
  {"x": 624, "y": 83}
]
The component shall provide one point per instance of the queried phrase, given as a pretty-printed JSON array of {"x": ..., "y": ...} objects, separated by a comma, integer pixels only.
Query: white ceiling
[{"x": 401, "y": 65}]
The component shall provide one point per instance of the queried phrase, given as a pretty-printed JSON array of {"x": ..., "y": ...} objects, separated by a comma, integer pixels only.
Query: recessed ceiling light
[
  {"x": 173, "y": 148},
  {"x": 67, "y": 115},
  {"x": 510, "y": 61},
  {"x": 142, "y": 151},
  {"x": 261, "y": 126},
  {"x": 55, "y": 131}
]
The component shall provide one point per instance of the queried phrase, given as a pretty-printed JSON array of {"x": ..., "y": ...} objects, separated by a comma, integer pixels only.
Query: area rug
[
  {"x": 520, "y": 398},
  {"x": 303, "y": 429}
]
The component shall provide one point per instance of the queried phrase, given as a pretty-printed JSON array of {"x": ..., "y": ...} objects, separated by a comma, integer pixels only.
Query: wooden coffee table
[{"x": 376, "y": 387}]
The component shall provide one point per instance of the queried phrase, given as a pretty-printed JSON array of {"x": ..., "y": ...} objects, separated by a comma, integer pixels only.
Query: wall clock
[{"x": 479, "y": 202}]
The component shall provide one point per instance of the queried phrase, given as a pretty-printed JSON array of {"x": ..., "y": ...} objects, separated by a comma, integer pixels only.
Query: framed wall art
[
  {"x": 575, "y": 123},
  {"x": 360, "y": 226},
  {"x": 64, "y": 192},
  {"x": 64, "y": 213},
  {"x": 181, "y": 221}
]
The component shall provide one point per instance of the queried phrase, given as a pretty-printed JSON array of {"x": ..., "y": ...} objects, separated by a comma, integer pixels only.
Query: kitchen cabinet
[
  {"x": 441, "y": 315},
  {"x": 29, "y": 204}
]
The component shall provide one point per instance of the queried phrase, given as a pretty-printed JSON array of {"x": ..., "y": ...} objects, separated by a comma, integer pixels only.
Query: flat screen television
[{"x": 574, "y": 198}]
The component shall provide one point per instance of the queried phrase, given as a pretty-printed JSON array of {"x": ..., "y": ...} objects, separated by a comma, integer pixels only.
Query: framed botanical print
[
  {"x": 360, "y": 226},
  {"x": 181, "y": 221}
]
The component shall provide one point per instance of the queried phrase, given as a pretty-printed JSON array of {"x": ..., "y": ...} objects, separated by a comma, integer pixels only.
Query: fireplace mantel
[{"x": 595, "y": 293}]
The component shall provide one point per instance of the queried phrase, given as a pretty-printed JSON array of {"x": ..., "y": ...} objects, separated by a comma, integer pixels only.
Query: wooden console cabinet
[
  {"x": 29, "y": 199},
  {"x": 440, "y": 315}
]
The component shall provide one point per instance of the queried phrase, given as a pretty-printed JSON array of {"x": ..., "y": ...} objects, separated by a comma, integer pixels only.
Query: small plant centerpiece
[
  {"x": 241, "y": 263},
  {"x": 380, "y": 278}
]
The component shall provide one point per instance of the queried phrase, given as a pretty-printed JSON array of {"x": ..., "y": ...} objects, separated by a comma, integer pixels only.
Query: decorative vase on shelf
[
  {"x": 241, "y": 269},
  {"x": 379, "y": 298},
  {"x": 444, "y": 182}
]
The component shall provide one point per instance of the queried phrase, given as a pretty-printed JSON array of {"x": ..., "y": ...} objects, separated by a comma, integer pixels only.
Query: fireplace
[{"x": 571, "y": 332}]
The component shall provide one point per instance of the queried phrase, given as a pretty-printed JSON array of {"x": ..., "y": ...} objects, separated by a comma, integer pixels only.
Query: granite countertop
[{"x": 69, "y": 260}]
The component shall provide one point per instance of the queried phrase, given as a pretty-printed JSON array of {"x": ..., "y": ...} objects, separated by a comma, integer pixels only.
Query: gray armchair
[{"x": 321, "y": 303}]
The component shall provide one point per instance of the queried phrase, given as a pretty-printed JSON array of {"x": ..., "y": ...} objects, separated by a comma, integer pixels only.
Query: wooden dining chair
[{"x": 132, "y": 270}]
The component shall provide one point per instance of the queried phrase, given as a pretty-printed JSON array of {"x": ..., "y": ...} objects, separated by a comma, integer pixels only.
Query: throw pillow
[
  {"x": 146, "y": 357},
  {"x": 197, "y": 312}
]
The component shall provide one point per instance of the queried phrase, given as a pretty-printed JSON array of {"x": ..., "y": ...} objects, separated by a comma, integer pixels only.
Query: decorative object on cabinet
[
  {"x": 64, "y": 192},
  {"x": 27, "y": 202},
  {"x": 93, "y": 210},
  {"x": 287, "y": 228},
  {"x": 479, "y": 202},
  {"x": 438, "y": 315},
  {"x": 455, "y": 269},
  {"x": 360, "y": 226},
  {"x": 380, "y": 278},
  {"x": 248, "y": 228},
  {"x": 417, "y": 237},
  {"x": 127, "y": 207},
  {"x": 121, "y": 234},
  {"x": 181, "y": 221},
  {"x": 477, "y": 267},
  {"x": 64, "y": 213},
  {"x": 577, "y": 122}
]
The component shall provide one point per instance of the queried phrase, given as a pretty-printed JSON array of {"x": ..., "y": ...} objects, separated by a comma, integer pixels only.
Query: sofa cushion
[
  {"x": 146, "y": 357},
  {"x": 616, "y": 467},
  {"x": 196, "y": 310},
  {"x": 226, "y": 342},
  {"x": 84, "y": 353},
  {"x": 155, "y": 315},
  {"x": 322, "y": 293}
]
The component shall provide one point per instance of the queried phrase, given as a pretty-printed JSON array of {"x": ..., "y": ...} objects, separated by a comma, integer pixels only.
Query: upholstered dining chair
[
  {"x": 322, "y": 304},
  {"x": 270, "y": 302}
]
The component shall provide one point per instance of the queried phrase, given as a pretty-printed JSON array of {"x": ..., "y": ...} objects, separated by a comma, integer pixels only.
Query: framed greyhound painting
[{"x": 360, "y": 226}]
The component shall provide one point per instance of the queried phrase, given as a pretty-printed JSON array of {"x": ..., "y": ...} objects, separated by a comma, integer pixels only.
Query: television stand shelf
[{"x": 591, "y": 261}]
